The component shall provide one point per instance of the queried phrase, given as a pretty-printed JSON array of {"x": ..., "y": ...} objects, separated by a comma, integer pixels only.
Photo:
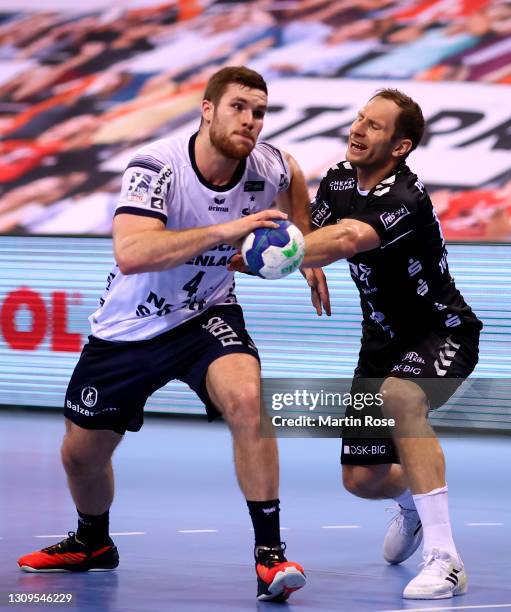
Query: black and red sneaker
[
  {"x": 71, "y": 555},
  {"x": 277, "y": 577}
]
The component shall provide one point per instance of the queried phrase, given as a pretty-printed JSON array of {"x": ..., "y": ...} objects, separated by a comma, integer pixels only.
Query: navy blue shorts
[
  {"x": 438, "y": 364},
  {"x": 112, "y": 380}
]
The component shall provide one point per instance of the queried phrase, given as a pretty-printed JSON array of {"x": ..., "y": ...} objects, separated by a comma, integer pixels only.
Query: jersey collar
[{"x": 235, "y": 179}]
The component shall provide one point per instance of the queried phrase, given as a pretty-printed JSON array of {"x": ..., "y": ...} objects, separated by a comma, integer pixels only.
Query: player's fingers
[
  {"x": 324, "y": 293},
  {"x": 316, "y": 301},
  {"x": 267, "y": 223},
  {"x": 316, "y": 280},
  {"x": 271, "y": 213},
  {"x": 310, "y": 277}
]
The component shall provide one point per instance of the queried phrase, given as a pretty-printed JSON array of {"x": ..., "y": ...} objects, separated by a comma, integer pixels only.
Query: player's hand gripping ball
[{"x": 274, "y": 252}]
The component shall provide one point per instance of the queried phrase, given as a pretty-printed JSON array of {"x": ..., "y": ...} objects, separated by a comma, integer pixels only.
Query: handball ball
[{"x": 274, "y": 252}]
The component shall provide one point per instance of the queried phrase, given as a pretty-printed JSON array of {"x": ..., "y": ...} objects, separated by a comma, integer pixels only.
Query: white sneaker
[
  {"x": 403, "y": 536},
  {"x": 442, "y": 576}
]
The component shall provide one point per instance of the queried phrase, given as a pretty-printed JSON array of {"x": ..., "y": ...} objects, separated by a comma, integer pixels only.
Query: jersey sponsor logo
[
  {"x": 218, "y": 328},
  {"x": 78, "y": 409},
  {"x": 420, "y": 186},
  {"x": 406, "y": 369},
  {"x": 452, "y": 321},
  {"x": 217, "y": 207},
  {"x": 364, "y": 449},
  {"x": 162, "y": 182},
  {"x": 361, "y": 272},
  {"x": 422, "y": 288},
  {"x": 89, "y": 396},
  {"x": 414, "y": 357},
  {"x": 342, "y": 185},
  {"x": 283, "y": 182},
  {"x": 415, "y": 267},
  {"x": 88, "y": 413},
  {"x": 254, "y": 185},
  {"x": 320, "y": 213},
  {"x": 379, "y": 318},
  {"x": 390, "y": 218},
  {"x": 443, "y": 262},
  {"x": 157, "y": 203},
  {"x": 207, "y": 260},
  {"x": 139, "y": 187},
  {"x": 162, "y": 307}
]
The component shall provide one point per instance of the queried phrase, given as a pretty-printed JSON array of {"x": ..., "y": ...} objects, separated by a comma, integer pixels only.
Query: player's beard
[{"x": 220, "y": 140}]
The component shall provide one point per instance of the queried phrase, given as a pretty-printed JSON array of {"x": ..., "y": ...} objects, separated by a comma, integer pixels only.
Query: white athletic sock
[
  {"x": 433, "y": 509},
  {"x": 405, "y": 500}
]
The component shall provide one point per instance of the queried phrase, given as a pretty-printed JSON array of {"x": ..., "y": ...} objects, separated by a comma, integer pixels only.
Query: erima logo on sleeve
[{"x": 390, "y": 218}]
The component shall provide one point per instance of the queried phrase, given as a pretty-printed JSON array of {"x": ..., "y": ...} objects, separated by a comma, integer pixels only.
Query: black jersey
[{"x": 406, "y": 290}]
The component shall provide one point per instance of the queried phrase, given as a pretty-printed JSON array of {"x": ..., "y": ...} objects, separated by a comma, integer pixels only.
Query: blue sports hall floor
[{"x": 184, "y": 534}]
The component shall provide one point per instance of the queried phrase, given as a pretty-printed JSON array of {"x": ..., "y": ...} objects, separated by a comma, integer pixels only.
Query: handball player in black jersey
[{"x": 419, "y": 336}]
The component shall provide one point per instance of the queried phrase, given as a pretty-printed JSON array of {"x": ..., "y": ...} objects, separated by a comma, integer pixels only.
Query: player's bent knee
[
  {"x": 361, "y": 481},
  {"x": 242, "y": 406},
  {"x": 86, "y": 452},
  {"x": 403, "y": 399}
]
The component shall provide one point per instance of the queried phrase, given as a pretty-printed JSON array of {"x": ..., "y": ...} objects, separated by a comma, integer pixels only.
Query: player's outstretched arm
[
  {"x": 341, "y": 241},
  {"x": 296, "y": 201},
  {"x": 142, "y": 244}
]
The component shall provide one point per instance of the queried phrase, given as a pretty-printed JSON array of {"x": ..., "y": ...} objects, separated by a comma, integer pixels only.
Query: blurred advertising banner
[
  {"x": 50, "y": 285},
  {"x": 466, "y": 144}
]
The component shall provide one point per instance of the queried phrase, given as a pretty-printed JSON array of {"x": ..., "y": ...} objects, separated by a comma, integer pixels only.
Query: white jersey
[{"x": 162, "y": 181}]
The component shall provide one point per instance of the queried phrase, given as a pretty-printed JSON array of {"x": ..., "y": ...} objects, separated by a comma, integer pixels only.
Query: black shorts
[
  {"x": 112, "y": 380},
  {"x": 438, "y": 364}
]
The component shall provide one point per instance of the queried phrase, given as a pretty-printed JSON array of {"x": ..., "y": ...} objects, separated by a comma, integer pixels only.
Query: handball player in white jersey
[{"x": 169, "y": 311}]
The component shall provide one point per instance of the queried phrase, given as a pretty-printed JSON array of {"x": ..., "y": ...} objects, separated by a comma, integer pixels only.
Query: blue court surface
[{"x": 184, "y": 533}]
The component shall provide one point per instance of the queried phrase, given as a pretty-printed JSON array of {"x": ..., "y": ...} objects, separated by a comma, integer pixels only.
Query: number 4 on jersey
[{"x": 191, "y": 287}]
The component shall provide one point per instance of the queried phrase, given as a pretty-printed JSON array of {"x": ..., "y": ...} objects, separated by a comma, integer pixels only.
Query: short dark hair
[
  {"x": 410, "y": 121},
  {"x": 241, "y": 75}
]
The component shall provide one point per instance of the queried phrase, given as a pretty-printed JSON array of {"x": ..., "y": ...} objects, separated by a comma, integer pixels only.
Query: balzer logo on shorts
[
  {"x": 89, "y": 396},
  {"x": 139, "y": 187},
  {"x": 390, "y": 218}
]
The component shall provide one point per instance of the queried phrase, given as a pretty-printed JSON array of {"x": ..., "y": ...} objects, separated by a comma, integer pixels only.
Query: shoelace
[
  {"x": 434, "y": 564},
  {"x": 407, "y": 523},
  {"x": 60, "y": 545}
]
